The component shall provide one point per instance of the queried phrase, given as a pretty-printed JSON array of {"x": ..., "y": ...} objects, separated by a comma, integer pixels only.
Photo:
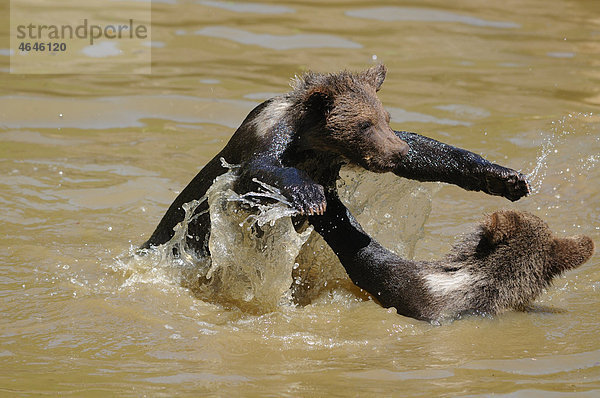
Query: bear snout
[
  {"x": 394, "y": 145},
  {"x": 395, "y": 149},
  {"x": 571, "y": 252},
  {"x": 385, "y": 151},
  {"x": 401, "y": 146}
]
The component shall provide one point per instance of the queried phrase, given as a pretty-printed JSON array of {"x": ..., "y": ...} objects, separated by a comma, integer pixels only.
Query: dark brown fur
[{"x": 298, "y": 141}]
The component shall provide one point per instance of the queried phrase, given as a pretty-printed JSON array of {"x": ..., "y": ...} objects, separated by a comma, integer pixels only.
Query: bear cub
[
  {"x": 505, "y": 264},
  {"x": 296, "y": 142}
]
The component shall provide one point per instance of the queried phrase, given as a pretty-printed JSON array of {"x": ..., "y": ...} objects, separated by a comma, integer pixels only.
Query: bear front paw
[
  {"x": 506, "y": 182},
  {"x": 308, "y": 199}
]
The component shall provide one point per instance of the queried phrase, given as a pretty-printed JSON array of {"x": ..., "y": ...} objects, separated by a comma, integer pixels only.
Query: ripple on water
[
  {"x": 561, "y": 54},
  {"x": 102, "y": 50},
  {"x": 399, "y": 115},
  {"x": 33, "y": 137},
  {"x": 426, "y": 15},
  {"x": 253, "y": 8},
  {"x": 540, "y": 366},
  {"x": 468, "y": 111},
  {"x": 119, "y": 112},
  {"x": 277, "y": 42},
  {"x": 387, "y": 375}
]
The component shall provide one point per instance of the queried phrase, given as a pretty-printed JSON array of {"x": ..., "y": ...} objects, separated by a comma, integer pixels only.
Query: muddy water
[{"x": 89, "y": 163}]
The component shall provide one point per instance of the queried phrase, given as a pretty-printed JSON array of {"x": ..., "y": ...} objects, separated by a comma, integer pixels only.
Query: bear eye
[{"x": 363, "y": 126}]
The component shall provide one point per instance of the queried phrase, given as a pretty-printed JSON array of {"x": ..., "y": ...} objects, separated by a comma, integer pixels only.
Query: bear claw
[
  {"x": 307, "y": 199},
  {"x": 506, "y": 182}
]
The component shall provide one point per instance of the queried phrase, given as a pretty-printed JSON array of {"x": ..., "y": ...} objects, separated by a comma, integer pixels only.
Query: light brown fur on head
[
  {"x": 511, "y": 227},
  {"x": 337, "y": 83},
  {"x": 516, "y": 227},
  {"x": 523, "y": 253},
  {"x": 505, "y": 264}
]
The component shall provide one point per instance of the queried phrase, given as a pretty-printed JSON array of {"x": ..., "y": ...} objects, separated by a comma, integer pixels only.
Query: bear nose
[
  {"x": 397, "y": 145},
  {"x": 404, "y": 148}
]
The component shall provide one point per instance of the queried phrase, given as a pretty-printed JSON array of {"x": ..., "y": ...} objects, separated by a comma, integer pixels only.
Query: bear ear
[
  {"x": 500, "y": 225},
  {"x": 319, "y": 99},
  {"x": 569, "y": 253},
  {"x": 375, "y": 75}
]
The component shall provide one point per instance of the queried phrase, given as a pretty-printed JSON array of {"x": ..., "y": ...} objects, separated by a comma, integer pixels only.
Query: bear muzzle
[
  {"x": 398, "y": 146},
  {"x": 385, "y": 151}
]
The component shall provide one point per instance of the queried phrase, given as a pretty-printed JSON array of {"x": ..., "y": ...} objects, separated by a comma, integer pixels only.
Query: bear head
[
  {"x": 520, "y": 256},
  {"x": 343, "y": 115}
]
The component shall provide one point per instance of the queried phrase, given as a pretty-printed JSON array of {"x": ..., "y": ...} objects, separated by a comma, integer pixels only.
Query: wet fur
[
  {"x": 297, "y": 142},
  {"x": 504, "y": 264}
]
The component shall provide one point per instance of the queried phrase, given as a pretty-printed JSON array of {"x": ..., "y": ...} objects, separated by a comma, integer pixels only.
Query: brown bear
[
  {"x": 505, "y": 263},
  {"x": 298, "y": 141}
]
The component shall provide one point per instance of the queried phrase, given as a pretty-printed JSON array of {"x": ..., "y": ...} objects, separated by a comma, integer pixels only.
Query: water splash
[
  {"x": 580, "y": 131},
  {"x": 253, "y": 247},
  {"x": 259, "y": 261},
  {"x": 391, "y": 209},
  {"x": 549, "y": 146},
  {"x": 565, "y": 175},
  {"x": 537, "y": 175}
]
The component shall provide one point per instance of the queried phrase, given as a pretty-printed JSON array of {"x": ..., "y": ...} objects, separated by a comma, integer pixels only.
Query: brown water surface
[{"x": 89, "y": 164}]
